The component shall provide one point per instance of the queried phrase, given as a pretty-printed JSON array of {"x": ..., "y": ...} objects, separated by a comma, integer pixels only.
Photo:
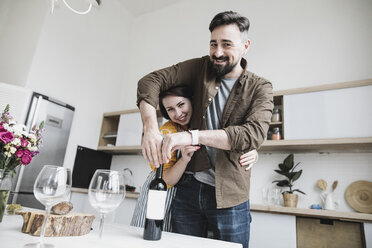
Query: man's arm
[
  {"x": 252, "y": 133},
  {"x": 151, "y": 140},
  {"x": 213, "y": 138},
  {"x": 148, "y": 89}
]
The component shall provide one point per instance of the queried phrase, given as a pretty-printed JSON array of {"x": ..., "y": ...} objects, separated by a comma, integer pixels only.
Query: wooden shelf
[
  {"x": 327, "y": 214},
  {"x": 276, "y": 123},
  {"x": 319, "y": 145},
  {"x": 117, "y": 150}
]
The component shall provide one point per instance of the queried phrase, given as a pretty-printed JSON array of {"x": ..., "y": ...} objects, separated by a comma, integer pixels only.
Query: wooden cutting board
[{"x": 71, "y": 224}]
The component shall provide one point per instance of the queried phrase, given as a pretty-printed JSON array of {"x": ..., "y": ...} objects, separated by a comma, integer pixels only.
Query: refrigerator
[{"x": 57, "y": 117}]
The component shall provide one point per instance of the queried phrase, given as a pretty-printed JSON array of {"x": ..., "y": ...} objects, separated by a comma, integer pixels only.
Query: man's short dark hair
[
  {"x": 230, "y": 17},
  {"x": 183, "y": 91}
]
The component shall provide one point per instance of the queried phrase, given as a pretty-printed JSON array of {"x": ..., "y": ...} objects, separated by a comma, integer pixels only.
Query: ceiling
[{"x": 139, "y": 7}]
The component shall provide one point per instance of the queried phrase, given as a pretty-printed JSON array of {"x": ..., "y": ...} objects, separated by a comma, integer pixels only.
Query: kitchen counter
[
  {"x": 329, "y": 214},
  {"x": 114, "y": 236}
]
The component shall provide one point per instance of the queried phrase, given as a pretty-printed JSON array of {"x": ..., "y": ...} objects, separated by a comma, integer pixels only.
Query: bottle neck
[{"x": 159, "y": 172}]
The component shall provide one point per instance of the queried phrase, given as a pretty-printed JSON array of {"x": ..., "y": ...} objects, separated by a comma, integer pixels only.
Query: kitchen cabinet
[
  {"x": 329, "y": 233},
  {"x": 110, "y": 127},
  {"x": 326, "y": 118},
  {"x": 329, "y": 114},
  {"x": 272, "y": 230},
  {"x": 362, "y": 142},
  {"x": 276, "y": 226}
]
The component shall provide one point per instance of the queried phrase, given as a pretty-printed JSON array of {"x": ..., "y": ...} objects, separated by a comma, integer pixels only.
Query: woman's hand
[
  {"x": 173, "y": 174},
  {"x": 188, "y": 151},
  {"x": 248, "y": 159}
]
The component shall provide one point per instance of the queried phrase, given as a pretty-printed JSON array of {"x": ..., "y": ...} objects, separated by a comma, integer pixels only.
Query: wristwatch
[{"x": 194, "y": 136}]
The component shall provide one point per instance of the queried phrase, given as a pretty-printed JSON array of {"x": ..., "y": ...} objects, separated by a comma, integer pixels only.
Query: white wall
[
  {"x": 344, "y": 167},
  {"x": 20, "y": 26},
  {"x": 82, "y": 60}
]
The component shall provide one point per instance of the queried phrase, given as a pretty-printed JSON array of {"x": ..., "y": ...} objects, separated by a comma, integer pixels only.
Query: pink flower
[
  {"x": 2, "y": 129},
  {"x": 24, "y": 142},
  {"x": 6, "y": 137},
  {"x": 19, "y": 153},
  {"x": 27, "y": 152},
  {"x": 26, "y": 158}
]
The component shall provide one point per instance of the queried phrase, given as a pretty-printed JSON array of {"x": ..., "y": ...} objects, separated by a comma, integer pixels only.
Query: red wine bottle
[{"x": 155, "y": 207}]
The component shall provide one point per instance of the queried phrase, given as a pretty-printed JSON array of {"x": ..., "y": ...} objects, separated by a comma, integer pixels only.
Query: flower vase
[{"x": 5, "y": 186}]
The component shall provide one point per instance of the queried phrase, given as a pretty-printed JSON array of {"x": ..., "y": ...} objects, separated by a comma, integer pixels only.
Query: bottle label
[{"x": 156, "y": 204}]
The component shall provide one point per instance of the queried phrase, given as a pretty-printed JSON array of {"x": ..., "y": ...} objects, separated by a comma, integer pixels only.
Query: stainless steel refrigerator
[{"x": 57, "y": 117}]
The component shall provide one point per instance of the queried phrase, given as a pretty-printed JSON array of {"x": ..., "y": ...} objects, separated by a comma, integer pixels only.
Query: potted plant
[{"x": 287, "y": 169}]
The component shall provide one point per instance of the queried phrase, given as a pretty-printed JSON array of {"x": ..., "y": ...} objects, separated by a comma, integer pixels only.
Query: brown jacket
[{"x": 245, "y": 119}]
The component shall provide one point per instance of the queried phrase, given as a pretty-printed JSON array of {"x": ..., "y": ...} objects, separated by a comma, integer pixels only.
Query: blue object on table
[{"x": 316, "y": 206}]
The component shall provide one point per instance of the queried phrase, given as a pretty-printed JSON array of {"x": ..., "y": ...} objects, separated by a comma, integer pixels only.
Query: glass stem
[
  {"x": 101, "y": 224},
  {"x": 43, "y": 227}
]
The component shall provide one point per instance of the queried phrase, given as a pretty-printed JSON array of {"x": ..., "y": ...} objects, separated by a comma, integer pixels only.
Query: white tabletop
[{"x": 114, "y": 235}]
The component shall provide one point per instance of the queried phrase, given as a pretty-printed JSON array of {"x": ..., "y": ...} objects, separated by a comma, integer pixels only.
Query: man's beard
[{"x": 221, "y": 70}]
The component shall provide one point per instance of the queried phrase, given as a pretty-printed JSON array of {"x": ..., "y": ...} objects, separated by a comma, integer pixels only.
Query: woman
[{"x": 175, "y": 105}]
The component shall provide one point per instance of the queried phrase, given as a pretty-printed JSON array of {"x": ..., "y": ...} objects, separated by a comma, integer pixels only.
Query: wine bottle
[{"x": 155, "y": 207}]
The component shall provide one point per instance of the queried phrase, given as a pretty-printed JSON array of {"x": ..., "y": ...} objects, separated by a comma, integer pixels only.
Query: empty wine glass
[
  {"x": 106, "y": 192},
  {"x": 52, "y": 185}
]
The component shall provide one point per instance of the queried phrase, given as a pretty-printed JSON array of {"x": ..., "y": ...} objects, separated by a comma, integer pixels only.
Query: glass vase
[{"x": 5, "y": 186}]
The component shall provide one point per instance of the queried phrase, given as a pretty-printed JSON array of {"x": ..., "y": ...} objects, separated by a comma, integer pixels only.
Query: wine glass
[
  {"x": 106, "y": 192},
  {"x": 52, "y": 185}
]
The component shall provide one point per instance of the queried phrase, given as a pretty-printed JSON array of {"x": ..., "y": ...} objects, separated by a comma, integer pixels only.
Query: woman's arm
[{"x": 173, "y": 174}]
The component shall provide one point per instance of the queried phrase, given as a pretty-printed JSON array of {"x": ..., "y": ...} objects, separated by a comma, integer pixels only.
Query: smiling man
[{"x": 232, "y": 108}]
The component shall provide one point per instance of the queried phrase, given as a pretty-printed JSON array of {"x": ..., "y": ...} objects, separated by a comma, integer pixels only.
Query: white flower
[
  {"x": 16, "y": 142},
  {"x": 32, "y": 137},
  {"x": 8, "y": 154},
  {"x": 18, "y": 129},
  {"x": 6, "y": 126},
  {"x": 12, "y": 121},
  {"x": 7, "y": 146},
  {"x": 32, "y": 149},
  {"x": 13, "y": 150}
]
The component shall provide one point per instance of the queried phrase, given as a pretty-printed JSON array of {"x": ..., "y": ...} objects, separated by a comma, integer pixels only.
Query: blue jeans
[{"x": 194, "y": 212}]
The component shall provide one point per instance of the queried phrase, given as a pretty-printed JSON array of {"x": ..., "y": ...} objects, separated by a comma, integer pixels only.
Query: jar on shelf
[
  {"x": 269, "y": 134},
  {"x": 276, "y": 115},
  {"x": 276, "y": 134}
]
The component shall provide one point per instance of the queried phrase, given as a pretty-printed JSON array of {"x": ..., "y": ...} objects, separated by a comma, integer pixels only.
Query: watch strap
[{"x": 194, "y": 137}]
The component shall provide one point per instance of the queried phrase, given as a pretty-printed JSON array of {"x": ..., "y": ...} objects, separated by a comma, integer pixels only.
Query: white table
[{"x": 114, "y": 235}]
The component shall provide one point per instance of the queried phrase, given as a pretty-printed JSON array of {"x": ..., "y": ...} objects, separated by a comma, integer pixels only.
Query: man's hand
[
  {"x": 174, "y": 141},
  {"x": 151, "y": 147},
  {"x": 151, "y": 140}
]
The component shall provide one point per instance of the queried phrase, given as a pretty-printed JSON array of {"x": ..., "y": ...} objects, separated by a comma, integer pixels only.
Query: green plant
[{"x": 287, "y": 169}]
